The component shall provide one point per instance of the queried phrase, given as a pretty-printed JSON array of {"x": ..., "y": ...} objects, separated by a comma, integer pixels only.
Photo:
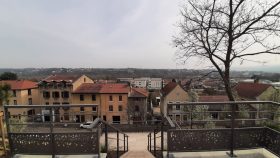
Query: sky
[{"x": 91, "y": 34}]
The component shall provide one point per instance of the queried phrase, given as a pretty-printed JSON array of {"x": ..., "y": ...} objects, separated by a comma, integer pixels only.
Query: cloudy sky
[{"x": 90, "y": 33}]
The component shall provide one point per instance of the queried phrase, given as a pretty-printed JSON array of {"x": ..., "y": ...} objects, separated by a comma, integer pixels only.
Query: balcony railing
[
  {"x": 29, "y": 135},
  {"x": 235, "y": 128}
]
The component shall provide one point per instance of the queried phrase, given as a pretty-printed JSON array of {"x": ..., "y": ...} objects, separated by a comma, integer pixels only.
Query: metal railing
[
  {"x": 46, "y": 136},
  {"x": 233, "y": 118},
  {"x": 118, "y": 139}
]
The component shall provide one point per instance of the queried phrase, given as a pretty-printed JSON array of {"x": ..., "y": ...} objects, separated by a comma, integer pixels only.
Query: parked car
[{"x": 86, "y": 124}]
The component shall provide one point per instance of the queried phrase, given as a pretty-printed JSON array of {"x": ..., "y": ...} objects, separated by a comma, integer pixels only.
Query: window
[
  {"x": 29, "y": 91},
  {"x": 178, "y": 107},
  {"x": 93, "y": 97},
  {"x": 110, "y": 98},
  {"x": 120, "y": 98},
  {"x": 15, "y": 102},
  {"x": 46, "y": 94},
  {"x": 14, "y": 93},
  {"x": 120, "y": 108},
  {"x": 30, "y": 101},
  {"x": 82, "y": 108},
  {"x": 82, "y": 97},
  {"x": 136, "y": 108},
  {"x": 94, "y": 109},
  {"x": 185, "y": 117},
  {"x": 55, "y": 94},
  {"x": 65, "y": 94},
  {"x": 85, "y": 80},
  {"x": 111, "y": 108},
  {"x": 47, "y": 103}
]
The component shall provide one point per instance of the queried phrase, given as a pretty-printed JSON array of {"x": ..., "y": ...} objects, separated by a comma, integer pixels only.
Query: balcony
[{"x": 232, "y": 134}]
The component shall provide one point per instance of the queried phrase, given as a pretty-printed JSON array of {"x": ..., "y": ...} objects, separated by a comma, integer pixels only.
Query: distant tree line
[{"x": 8, "y": 76}]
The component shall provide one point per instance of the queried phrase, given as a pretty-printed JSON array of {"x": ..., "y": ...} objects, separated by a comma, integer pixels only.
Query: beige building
[
  {"x": 23, "y": 92},
  {"x": 110, "y": 99},
  {"x": 57, "y": 90},
  {"x": 173, "y": 93}
]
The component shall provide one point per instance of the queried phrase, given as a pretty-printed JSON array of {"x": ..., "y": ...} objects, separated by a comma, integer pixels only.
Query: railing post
[
  {"x": 148, "y": 142},
  {"x": 117, "y": 144},
  {"x": 124, "y": 143},
  {"x": 51, "y": 130},
  {"x": 162, "y": 138},
  {"x": 232, "y": 140},
  {"x": 7, "y": 119},
  {"x": 155, "y": 142},
  {"x": 106, "y": 138}
]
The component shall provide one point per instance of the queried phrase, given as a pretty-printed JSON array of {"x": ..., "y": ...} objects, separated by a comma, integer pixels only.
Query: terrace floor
[{"x": 252, "y": 153}]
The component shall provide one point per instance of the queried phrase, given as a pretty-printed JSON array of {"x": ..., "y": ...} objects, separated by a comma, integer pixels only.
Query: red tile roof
[
  {"x": 102, "y": 88},
  {"x": 59, "y": 78},
  {"x": 168, "y": 88},
  {"x": 250, "y": 90},
  {"x": 138, "y": 93},
  {"x": 213, "y": 98},
  {"x": 88, "y": 88},
  {"x": 19, "y": 84},
  {"x": 114, "y": 88}
]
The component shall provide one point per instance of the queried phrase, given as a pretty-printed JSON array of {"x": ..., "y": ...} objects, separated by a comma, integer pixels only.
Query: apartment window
[
  {"x": 178, "y": 107},
  {"x": 120, "y": 98},
  {"x": 15, "y": 102},
  {"x": 46, "y": 94},
  {"x": 82, "y": 97},
  {"x": 93, "y": 97},
  {"x": 47, "y": 103},
  {"x": 120, "y": 108},
  {"x": 65, "y": 94},
  {"x": 94, "y": 109},
  {"x": 65, "y": 103},
  {"x": 30, "y": 101},
  {"x": 136, "y": 108},
  {"x": 110, "y": 98},
  {"x": 55, "y": 94},
  {"x": 29, "y": 91},
  {"x": 14, "y": 93},
  {"x": 111, "y": 108},
  {"x": 82, "y": 108}
]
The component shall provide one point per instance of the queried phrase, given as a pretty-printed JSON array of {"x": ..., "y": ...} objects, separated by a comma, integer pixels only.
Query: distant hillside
[{"x": 110, "y": 73}]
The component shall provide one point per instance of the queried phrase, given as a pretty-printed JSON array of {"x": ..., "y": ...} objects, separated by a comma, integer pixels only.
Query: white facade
[{"x": 155, "y": 83}]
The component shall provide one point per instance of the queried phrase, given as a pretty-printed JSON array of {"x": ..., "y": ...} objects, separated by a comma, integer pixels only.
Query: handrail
[{"x": 222, "y": 103}]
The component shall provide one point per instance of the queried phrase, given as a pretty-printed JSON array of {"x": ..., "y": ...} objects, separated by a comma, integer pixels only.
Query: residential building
[
  {"x": 114, "y": 99},
  {"x": 23, "y": 92},
  {"x": 137, "y": 105},
  {"x": 253, "y": 91},
  {"x": 111, "y": 102},
  {"x": 173, "y": 93},
  {"x": 56, "y": 90},
  {"x": 87, "y": 93},
  {"x": 140, "y": 82},
  {"x": 155, "y": 83}
]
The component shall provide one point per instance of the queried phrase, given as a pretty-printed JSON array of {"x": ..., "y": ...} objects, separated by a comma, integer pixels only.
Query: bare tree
[{"x": 226, "y": 31}]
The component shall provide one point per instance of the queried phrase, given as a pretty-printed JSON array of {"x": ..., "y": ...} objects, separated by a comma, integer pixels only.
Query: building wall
[
  {"x": 22, "y": 98},
  {"x": 81, "y": 80},
  {"x": 105, "y": 103},
  {"x": 155, "y": 84},
  {"x": 176, "y": 95},
  {"x": 88, "y": 111},
  {"x": 137, "y": 115}
]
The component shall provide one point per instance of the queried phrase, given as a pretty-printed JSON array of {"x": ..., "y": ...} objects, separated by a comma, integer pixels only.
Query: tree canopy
[{"x": 8, "y": 76}]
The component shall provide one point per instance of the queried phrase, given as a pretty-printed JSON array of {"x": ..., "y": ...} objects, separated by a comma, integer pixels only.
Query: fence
[{"x": 28, "y": 136}]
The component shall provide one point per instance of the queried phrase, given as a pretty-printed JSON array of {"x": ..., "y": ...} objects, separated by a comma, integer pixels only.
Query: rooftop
[{"x": 19, "y": 84}]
